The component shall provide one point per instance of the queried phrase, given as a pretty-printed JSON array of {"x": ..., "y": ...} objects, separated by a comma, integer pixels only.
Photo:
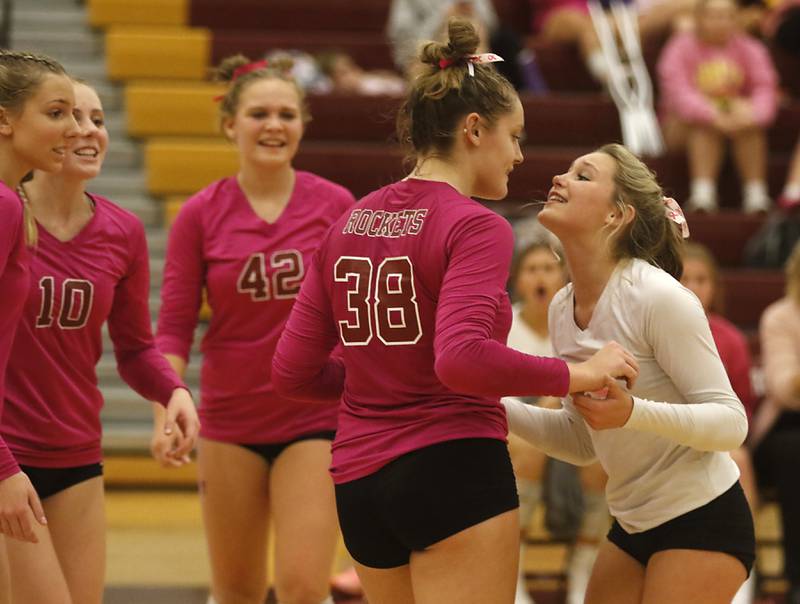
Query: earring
[{"x": 465, "y": 130}]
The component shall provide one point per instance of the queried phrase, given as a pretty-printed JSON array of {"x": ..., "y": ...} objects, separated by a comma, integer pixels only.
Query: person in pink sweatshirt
[
  {"x": 247, "y": 240},
  {"x": 90, "y": 267},
  {"x": 411, "y": 282},
  {"x": 718, "y": 85}
]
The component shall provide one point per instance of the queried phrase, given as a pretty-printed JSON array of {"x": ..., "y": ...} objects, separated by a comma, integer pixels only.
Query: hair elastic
[{"x": 471, "y": 60}]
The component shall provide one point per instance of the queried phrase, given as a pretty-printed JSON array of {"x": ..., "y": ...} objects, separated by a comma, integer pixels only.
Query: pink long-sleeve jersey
[
  {"x": 412, "y": 283},
  {"x": 252, "y": 271},
  {"x": 14, "y": 261},
  {"x": 52, "y": 402}
]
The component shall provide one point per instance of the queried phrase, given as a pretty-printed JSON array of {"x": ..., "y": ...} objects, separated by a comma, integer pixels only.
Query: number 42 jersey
[
  {"x": 251, "y": 270},
  {"x": 411, "y": 282}
]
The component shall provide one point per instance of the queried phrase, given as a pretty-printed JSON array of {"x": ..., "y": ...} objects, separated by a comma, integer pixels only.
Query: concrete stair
[{"x": 60, "y": 28}]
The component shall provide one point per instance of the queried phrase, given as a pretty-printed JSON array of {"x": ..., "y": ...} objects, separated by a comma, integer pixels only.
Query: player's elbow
[
  {"x": 286, "y": 382},
  {"x": 451, "y": 371}
]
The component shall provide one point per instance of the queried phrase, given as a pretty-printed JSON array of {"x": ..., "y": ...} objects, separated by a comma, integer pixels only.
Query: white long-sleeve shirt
[{"x": 672, "y": 454}]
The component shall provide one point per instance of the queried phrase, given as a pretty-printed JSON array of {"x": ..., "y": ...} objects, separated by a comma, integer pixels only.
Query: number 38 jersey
[
  {"x": 252, "y": 271},
  {"x": 411, "y": 282},
  {"x": 52, "y": 407}
]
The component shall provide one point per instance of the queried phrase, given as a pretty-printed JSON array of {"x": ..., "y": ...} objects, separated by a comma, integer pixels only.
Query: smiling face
[
  {"x": 499, "y": 151},
  {"x": 581, "y": 200},
  {"x": 268, "y": 124},
  {"x": 539, "y": 276},
  {"x": 41, "y": 130},
  {"x": 87, "y": 151}
]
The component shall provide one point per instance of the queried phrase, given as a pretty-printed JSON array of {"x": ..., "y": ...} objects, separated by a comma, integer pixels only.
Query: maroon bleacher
[
  {"x": 278, "y": 15},
  {"x": 369, "y": 50}
]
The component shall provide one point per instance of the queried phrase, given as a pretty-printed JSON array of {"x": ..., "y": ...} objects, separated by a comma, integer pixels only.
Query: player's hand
[
  {"x": 163, "y": 447},
  {"x": 612, "y": 359},
  {"x": 20, "y": 508},
  {"x": 181, "y": 414},
  {"x": 613, "y": 411}
]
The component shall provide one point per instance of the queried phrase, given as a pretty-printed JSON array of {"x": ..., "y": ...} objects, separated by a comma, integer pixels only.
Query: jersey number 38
[{"x": 386, "y": 307}]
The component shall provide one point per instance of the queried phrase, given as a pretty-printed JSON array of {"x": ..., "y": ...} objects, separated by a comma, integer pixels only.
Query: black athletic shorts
[
  {"x": 724, "y": 524},
  {"x": 271, "y": 451},
  {"x": 50, "y": 481},
  {"x": 424, "y": 497}
]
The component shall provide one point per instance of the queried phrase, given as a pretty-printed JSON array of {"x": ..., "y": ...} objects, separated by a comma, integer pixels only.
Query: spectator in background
[
  {"x": 775, "y": 433},
  {"x": 347, "y": 77},
  {"x": 719, "y": 85},
  {"x": 539, "y": 270},
  {"x": 701, "y": 275},
  {"x": 414, "y": 21},
  {"x": 568, "y": 21}
]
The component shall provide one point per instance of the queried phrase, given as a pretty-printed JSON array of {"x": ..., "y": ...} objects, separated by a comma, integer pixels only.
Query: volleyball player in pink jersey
[
  {"x": 90, "y": 266},
  {"x": 412, "y": 282},
  {"x": 35, "y": 124},
  {"x": 248, "y": 240}
]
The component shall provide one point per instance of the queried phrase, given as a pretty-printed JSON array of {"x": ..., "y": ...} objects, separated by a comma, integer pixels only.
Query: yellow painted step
[
  {"x": 103, "y": 13},
  {"x": 157, "y": 52},
  {"x": 156, "y": 108},
  {"x": 184, "y": 166},
  {"x": 141, "y": 470},
  {"x": 172, "y": 205}
]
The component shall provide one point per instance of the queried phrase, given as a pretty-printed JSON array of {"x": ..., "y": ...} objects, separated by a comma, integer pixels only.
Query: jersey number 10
[
  {"x": 76, "y": 303},
  {"x": 389, "y": 307}
]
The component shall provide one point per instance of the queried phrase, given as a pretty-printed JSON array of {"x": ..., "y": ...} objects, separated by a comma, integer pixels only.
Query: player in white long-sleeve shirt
[{"x": 683, "y": 531}]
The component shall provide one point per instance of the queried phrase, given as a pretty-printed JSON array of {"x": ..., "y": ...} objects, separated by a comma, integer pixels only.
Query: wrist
[{"x": 577, "y": 376}]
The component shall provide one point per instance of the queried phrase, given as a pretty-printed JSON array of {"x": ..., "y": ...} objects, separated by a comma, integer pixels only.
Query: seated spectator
[
  {"x": 719, "y": 85},
  {"x": 775, "y": 432},
  {"x": 538, "y": 272},
  {"x": 701, "y": 275},
  {"x": 347, "y": 77},
  {"x": 414, "y": 21},
  {"x": 568, "y": 22}
]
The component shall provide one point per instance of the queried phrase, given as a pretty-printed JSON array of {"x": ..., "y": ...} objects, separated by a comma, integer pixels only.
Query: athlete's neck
[
  {"x": 535, "y": 317},
  {"x": 59, "y": 203},
  {"x": 11, "y": 172},
  {"x": 262, "y": 186},
  {"x": 441, "y": 170},
  {"x": 591, "y": 266}
]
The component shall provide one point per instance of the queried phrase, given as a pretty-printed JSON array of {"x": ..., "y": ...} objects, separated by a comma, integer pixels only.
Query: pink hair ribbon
[
  {"x": 675, "y": 214},
  {"x": 487, "y": 57}
]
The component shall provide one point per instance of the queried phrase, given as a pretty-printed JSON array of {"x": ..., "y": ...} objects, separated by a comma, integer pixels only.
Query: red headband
[{"x": 243, "y": 70}]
